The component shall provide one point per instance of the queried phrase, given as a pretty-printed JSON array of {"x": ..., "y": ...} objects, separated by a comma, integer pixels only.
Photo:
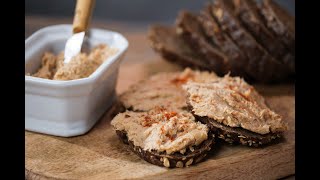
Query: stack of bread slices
[{"x": 242, "y": 37}]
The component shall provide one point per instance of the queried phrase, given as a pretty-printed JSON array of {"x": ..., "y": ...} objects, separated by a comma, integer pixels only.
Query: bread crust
[
  {"x": 190, "y": 29},
  {"x": 164, "y": 40},
  {"x": 236, "y": 58},
  {"x": 173, "y": 160},
  {"x": 239, "y": 135},
  {"x": 261, "y": 66},
  {"x": 280, "y": 22},
  {"x": 251, "y": 18}
]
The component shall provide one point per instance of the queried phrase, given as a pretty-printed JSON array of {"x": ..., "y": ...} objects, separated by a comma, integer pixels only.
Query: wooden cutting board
[{"x": 100, "y": 155}]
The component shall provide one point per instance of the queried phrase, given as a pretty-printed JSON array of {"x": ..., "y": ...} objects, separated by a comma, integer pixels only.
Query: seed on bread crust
[
  {"x": 179, "y": 164},
  {"x": 166, "y": 162},
  {"x": 188, "y": 163},
  {"x": 191, "y": 148},
  {"x": 182, "y": 151}
]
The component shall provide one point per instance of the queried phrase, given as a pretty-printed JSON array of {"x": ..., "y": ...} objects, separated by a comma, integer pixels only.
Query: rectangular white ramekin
[{"x": 69, "y": 108}]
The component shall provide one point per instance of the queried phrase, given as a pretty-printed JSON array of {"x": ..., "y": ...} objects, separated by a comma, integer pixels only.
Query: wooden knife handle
[{"x": 82, "y": 15}]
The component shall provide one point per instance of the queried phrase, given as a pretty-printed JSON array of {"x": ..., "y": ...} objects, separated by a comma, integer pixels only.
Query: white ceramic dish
[{"x": 69, "y": 108}]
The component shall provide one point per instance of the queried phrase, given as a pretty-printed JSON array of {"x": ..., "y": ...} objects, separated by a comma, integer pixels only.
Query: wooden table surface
[{"x": 138, "y": 53}]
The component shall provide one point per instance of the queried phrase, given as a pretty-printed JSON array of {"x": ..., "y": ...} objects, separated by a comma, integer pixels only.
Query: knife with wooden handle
[{"x": 81, "y": 21}]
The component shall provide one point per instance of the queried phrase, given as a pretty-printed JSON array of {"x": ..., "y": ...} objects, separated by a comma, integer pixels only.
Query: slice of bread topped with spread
[
  {"x": 164, "y": 137},
  {"x": 162, "y": 89},
  {"x": 234, "y": 111}
]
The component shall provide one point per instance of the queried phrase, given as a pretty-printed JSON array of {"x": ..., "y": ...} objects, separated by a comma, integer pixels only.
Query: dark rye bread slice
[
  {"x": 237, "y": 59},
  {"x": 163, "y": 39},
  {"x": 251, "y": 18},
  {"x": 190, "y": 29},
  {"x": 156, "y": 90},
  {"x": 163, "y": 136},
  {"x": 234, "y": 111},
  {"x": 161, "y": 89},
  {"x": 262, "y": 66},
  {"x": 238, "y": 135},
  {"x": 280, "y": 22},
  {"x": 172, "y": 160}
]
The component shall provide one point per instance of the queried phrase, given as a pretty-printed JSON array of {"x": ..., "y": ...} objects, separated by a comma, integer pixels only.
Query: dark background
[{"x": 126, "y": 11}]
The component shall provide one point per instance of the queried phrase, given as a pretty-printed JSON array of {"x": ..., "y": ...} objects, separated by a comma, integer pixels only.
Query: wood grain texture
[{"x": 99, "y": 154}]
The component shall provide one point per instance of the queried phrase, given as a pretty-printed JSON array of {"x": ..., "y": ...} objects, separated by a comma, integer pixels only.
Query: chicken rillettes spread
[
  {"x": 233, "y": 102},
  {"x": 162, "y": 129},
  {"x": 80, "y": 66}
]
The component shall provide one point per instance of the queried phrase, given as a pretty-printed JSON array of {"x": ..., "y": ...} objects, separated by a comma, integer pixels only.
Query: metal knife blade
[{"x": 73, "y": 46}]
